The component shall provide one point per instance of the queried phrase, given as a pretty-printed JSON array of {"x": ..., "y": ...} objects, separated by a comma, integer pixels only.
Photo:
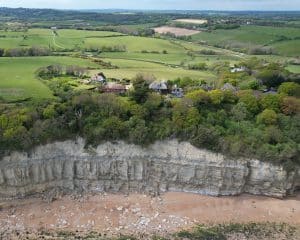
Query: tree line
[{"x": 25, "y": 52}]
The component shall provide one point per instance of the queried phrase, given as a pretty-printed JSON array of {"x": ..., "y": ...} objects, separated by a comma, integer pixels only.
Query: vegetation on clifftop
[{"x": 235, "y": 122}]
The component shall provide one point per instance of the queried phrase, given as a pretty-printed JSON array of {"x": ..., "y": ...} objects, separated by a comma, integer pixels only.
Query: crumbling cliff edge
[{"x": 120, "y": 167}]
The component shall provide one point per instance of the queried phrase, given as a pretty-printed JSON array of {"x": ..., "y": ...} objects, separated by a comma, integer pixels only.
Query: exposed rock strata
[{"x": 120, "y": 167}]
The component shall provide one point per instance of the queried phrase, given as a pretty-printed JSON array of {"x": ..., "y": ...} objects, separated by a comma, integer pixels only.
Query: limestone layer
[{"x": 120, "y": 167}]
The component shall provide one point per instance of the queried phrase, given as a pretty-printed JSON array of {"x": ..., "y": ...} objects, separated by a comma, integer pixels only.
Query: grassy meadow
[
  {"x": 65, "y": 38},
  {"x": 171, "y": 58},
  {"x": 134, "y": 44},
  {"x": 129, "y": 68},
  {"x": 294, "y": 68},
  {"x": 18, "y": 80},
  {"x": 284, "y": 40},
  {"x": 69, "y": 38}
]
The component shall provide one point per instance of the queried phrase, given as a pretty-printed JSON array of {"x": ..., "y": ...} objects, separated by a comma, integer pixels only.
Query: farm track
[
  {"x": 222, "y": 50},
  {"x": 54, "y": 42}
]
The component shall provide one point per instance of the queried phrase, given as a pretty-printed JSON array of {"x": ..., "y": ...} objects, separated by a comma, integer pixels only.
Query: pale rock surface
[{"x": 120, "y": 167}]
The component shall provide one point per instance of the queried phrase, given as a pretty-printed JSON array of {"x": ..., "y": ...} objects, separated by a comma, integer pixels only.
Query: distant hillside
[{"x": 31, "y": 15}]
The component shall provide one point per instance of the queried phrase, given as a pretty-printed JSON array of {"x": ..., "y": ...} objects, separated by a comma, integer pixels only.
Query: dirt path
[
  {"x": 138, "y": 213},
  {"x": 54, "y": 41}
]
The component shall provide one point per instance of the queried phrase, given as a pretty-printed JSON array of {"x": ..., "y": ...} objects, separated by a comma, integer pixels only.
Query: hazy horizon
[{"x": 215, "y": 5}]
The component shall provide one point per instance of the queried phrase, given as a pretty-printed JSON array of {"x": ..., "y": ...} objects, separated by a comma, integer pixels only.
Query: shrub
[
  {"x": 290, "y": 105},
  {"x": 254, "y": 85},
  {"x": 198, "y": 97},
  {"x": 216, "y": 96},
  {"x": 141, "y": 89},
  {"x": 271, "y": 102},
  {"x": 267, "y": 117},
  {"x": 250, "y": 101},
  {"x": 207, "y": 52},
  {"x": 198, "y": 66},
  {"x": 290, "y": 89},
  {"x": 271, "y": 78},
  {"x": 49, "y": 112}
]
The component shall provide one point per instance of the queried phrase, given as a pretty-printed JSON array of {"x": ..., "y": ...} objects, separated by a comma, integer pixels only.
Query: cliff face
[{"x": 120, "y": 167}]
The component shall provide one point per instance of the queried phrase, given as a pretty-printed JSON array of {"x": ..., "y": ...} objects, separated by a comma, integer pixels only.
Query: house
[
  {"x": 128, "y": 87},
  {"x": 270, "y": 91},
  {"x": 206, "y": 87},
  {"x": 238, "y": 69},
  {"x": 229, "y": 87},
  {"x": 177, "y": 92},
  {"x": 53, "y": 28},
  {"x": 100, "y": 78},
  {"x": 160, "y": 87},
  {"x": 111, "y": 87}
]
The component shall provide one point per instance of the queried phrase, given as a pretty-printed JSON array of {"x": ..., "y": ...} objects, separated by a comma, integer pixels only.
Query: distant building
[
  {"x": 177, "y": 92},
  {"x": 100, "y": 77},
  {"x": 53, "y": 28},
  {"x": 270, "y": 91},
  {"x": 160, "y": 87},
  {"x": 111, "y": 87},
  {"x": 238, "y": 69},
  {"x": 206, "y": 87},
  {"x": 128, "y": 87},
  {"x": 228, "y": 87}
]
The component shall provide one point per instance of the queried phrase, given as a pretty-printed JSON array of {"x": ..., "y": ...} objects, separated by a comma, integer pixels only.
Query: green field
[
  {"x": 129, "y": 69},
  {"x": 294, "y": 68},
  {"x": 178, "y": 58},
  {"x": 45, "y": 38},
  {"x": 256, "y": 35},
  {"x": 135, "y": 44},
  {"x": 288, "y": 48},
  {"x": 68, "y": 38},
  {"x": 171, "y": 58},
  {"x": 18, "y": 80},
  {"x": 33, "y": 37}
]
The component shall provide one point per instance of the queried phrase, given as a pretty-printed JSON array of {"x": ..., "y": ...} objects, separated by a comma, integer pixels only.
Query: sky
[{"x": 260, "y": 5}]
